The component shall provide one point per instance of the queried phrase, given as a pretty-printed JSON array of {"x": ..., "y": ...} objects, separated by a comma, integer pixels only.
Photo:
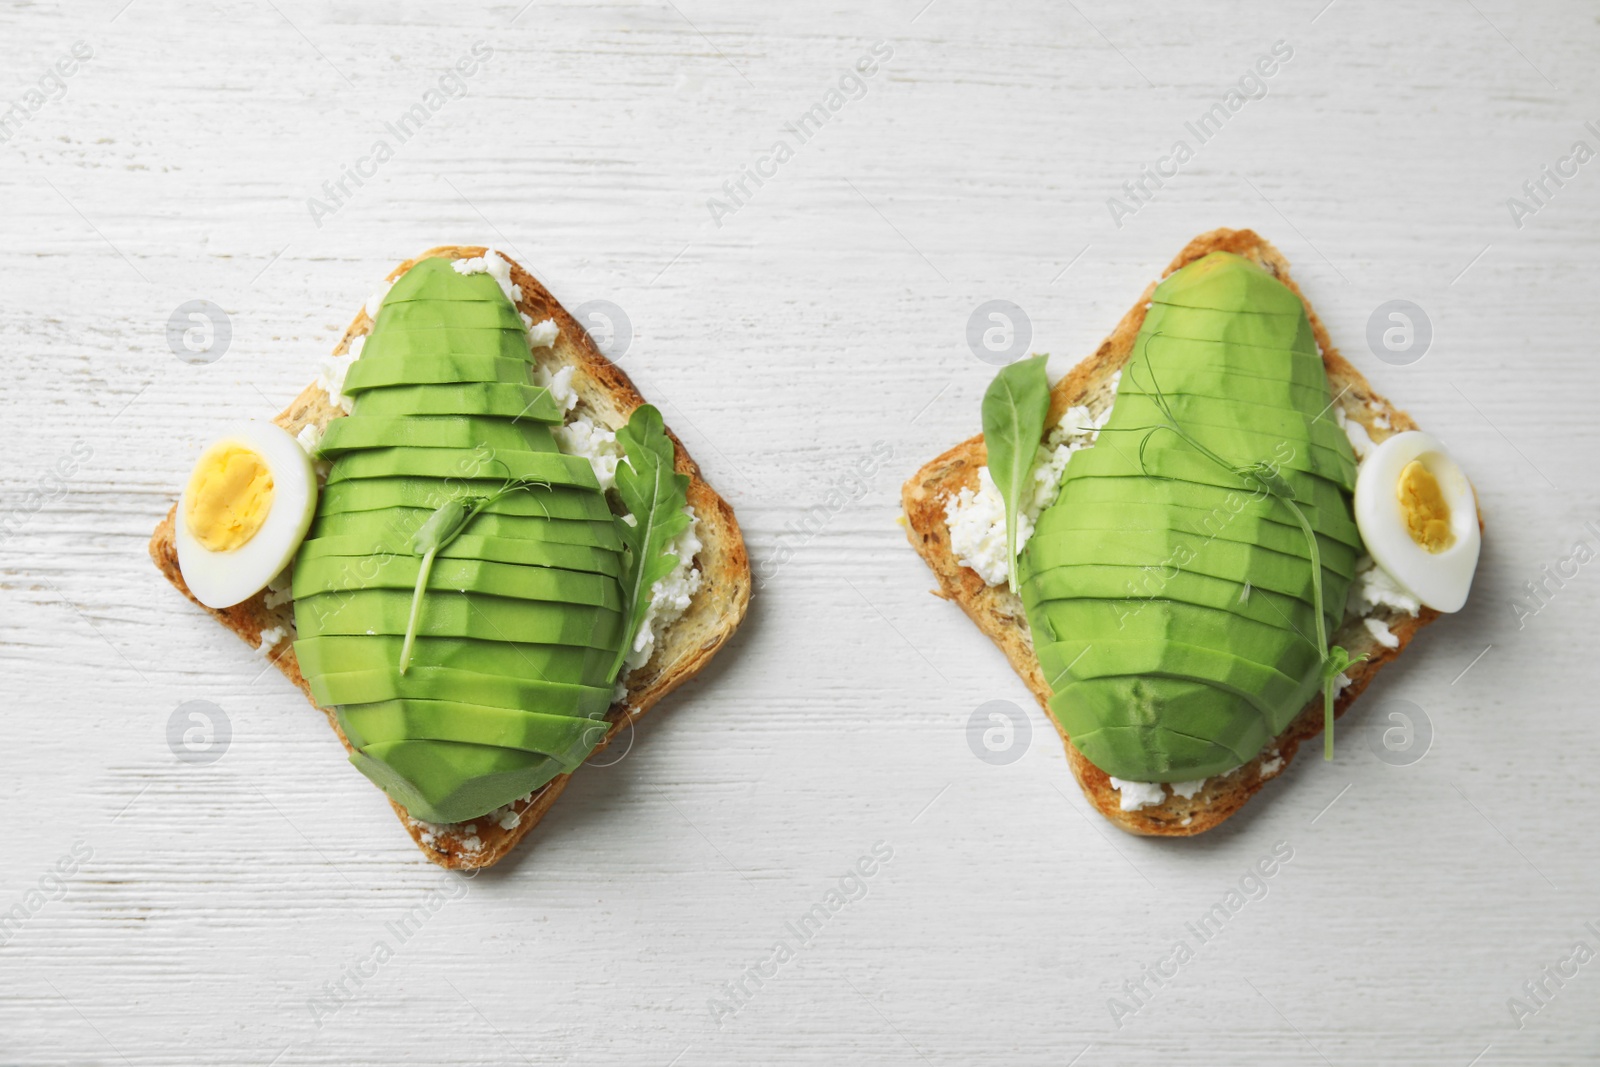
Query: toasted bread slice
[
  {"x": 1000, "y": 614},
  {"x": 607, "y": 396}
]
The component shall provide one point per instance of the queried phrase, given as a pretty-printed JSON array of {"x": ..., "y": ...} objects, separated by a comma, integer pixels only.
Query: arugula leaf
[
  {"x": 1014, "y": 410},
  {"x": 656, "y": 497}
]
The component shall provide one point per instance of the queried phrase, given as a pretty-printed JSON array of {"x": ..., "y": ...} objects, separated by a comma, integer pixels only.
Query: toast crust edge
[
  {"x": 681, "y": 652},
  {"x": 999, "y": 614}
]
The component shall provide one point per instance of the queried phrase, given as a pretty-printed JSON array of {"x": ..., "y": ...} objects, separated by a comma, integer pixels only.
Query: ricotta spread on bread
[{"x": 977, "y": 518}]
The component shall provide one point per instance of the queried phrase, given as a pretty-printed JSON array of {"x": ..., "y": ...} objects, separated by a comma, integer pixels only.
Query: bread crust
[
  {"x": 608, "y": 396},
  {"x": 1000, "y": 615}
]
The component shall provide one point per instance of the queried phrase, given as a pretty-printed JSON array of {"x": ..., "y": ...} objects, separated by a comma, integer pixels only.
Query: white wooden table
[{"x": 212, "y": 905}]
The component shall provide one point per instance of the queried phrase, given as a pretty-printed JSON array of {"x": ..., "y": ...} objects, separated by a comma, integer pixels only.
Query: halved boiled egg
[
  {"x": 241, "y": 518},
  {"x": 1419, "y": 518}
]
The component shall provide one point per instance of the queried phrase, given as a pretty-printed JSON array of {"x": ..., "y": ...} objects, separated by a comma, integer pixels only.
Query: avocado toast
[
  {"x": 469, "y": 680},
  {"x": 1170, "y": 600}
]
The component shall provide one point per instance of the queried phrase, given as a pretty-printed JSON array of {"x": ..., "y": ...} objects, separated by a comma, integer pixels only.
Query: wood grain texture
[{"x": 825, "y": 316}]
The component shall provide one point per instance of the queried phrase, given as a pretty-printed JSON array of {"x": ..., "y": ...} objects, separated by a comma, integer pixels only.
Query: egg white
[
  {"x": 1441, "y": 580},
  {"x": 223, "y": 579}
]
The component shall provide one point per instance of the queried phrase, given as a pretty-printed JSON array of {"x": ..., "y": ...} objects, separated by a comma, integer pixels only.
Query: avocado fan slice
[
  {"x": 573, "y": 664},
  {"x": 519, "y": 625},
  {"x": 1128, "y": 590},
  {"x": 1228, "y": 282},
  {"x": 394, "y": 528},
  {"x": 1233, "y": 561},
  {"x": 554, "y": 468},
  {"x": 455, "y": 614},
  {"x": 468, "y": 432},
  {"x": 1210, "y": 500},
  {"x": 1140, "y": 409},
  {"x": 420, "y": 346},
  {"x": 446, "y": 683},
  {"x": 436, "y": 278},
  {"x": 1120, "y": 720},
  {"x": 1200, "y": 525},
  {"x": 507, "y": 400},
  {"x": 378, "y": 494},
  {"x": 377, "y": 372},
  {"x": 351, "y": 555},
  {"x": 451, "y": 782},
  {"x": 446, "y": 313},
  {"x": 1164, "y": 668},
  {"x": 509, "y": 580},
  {"x": 1167, "y": 323},
  {"x": 567, "y": 739}
]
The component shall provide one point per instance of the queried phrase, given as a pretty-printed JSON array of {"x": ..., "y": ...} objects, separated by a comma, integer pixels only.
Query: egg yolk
[
  {"x": 230, "y": 494},
  {"x": 1422, "y": 503}
]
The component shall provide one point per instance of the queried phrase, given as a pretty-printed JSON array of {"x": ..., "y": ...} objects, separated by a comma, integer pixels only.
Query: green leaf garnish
[
  {"x": 1333, "y": 666},
  {"x": 1272, "y": 482},
  {"x": 1014, "y": 410},
  {"x": 656, "y": 497}
]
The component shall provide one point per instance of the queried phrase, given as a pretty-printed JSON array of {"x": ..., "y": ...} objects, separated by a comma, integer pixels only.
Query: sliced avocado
[
  {"x": 511, "y": 580},
  {"x": 1265, "y": 688},
  {"x": 420, "y": 346},
  {"x": 1235, "y": 561},
  {"x": 442, "y": 683},
  {"x": 554, "y": 468},
  {"x": 1285, "y": 575},
  {"x": 525, "y": 403},
  {"x": 1170, "y": 604},
  {"x": 1200, "y": 524},
  {"x": 1230, "y": 441},
  {"x": 1264, "y": 643},
  {"x": 1118, "y": 724},
  {"x": 567, "y": 739},
  {"x": 447, "y": 314},
  {"x": 1140, "y": 409},
  {"x": 447, "y": 782},
  {"x": 352, "y": 552},
  {"x": 554, "y": 663},
  {"x": 450, "y": 369},
  {"x": 375, "y": 494},
  {"x": 436, "y": 278},
  {"x": 1316, "y": 495},
  {"x": 1257, "y": 392},
  {"x": 360, "y": 431},
  {"x": 1089, "y": 493},
  {"x": 1227, "y": 282},
  {"x": 1162, "y": 353},
  {"x": 447, "y": 613},
  {"x": 1257, "y": 331},
  {"x": 1131, "y": 589},
  {"x": 393, "y": 529},
  {"x": 518, "y": 627}
]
